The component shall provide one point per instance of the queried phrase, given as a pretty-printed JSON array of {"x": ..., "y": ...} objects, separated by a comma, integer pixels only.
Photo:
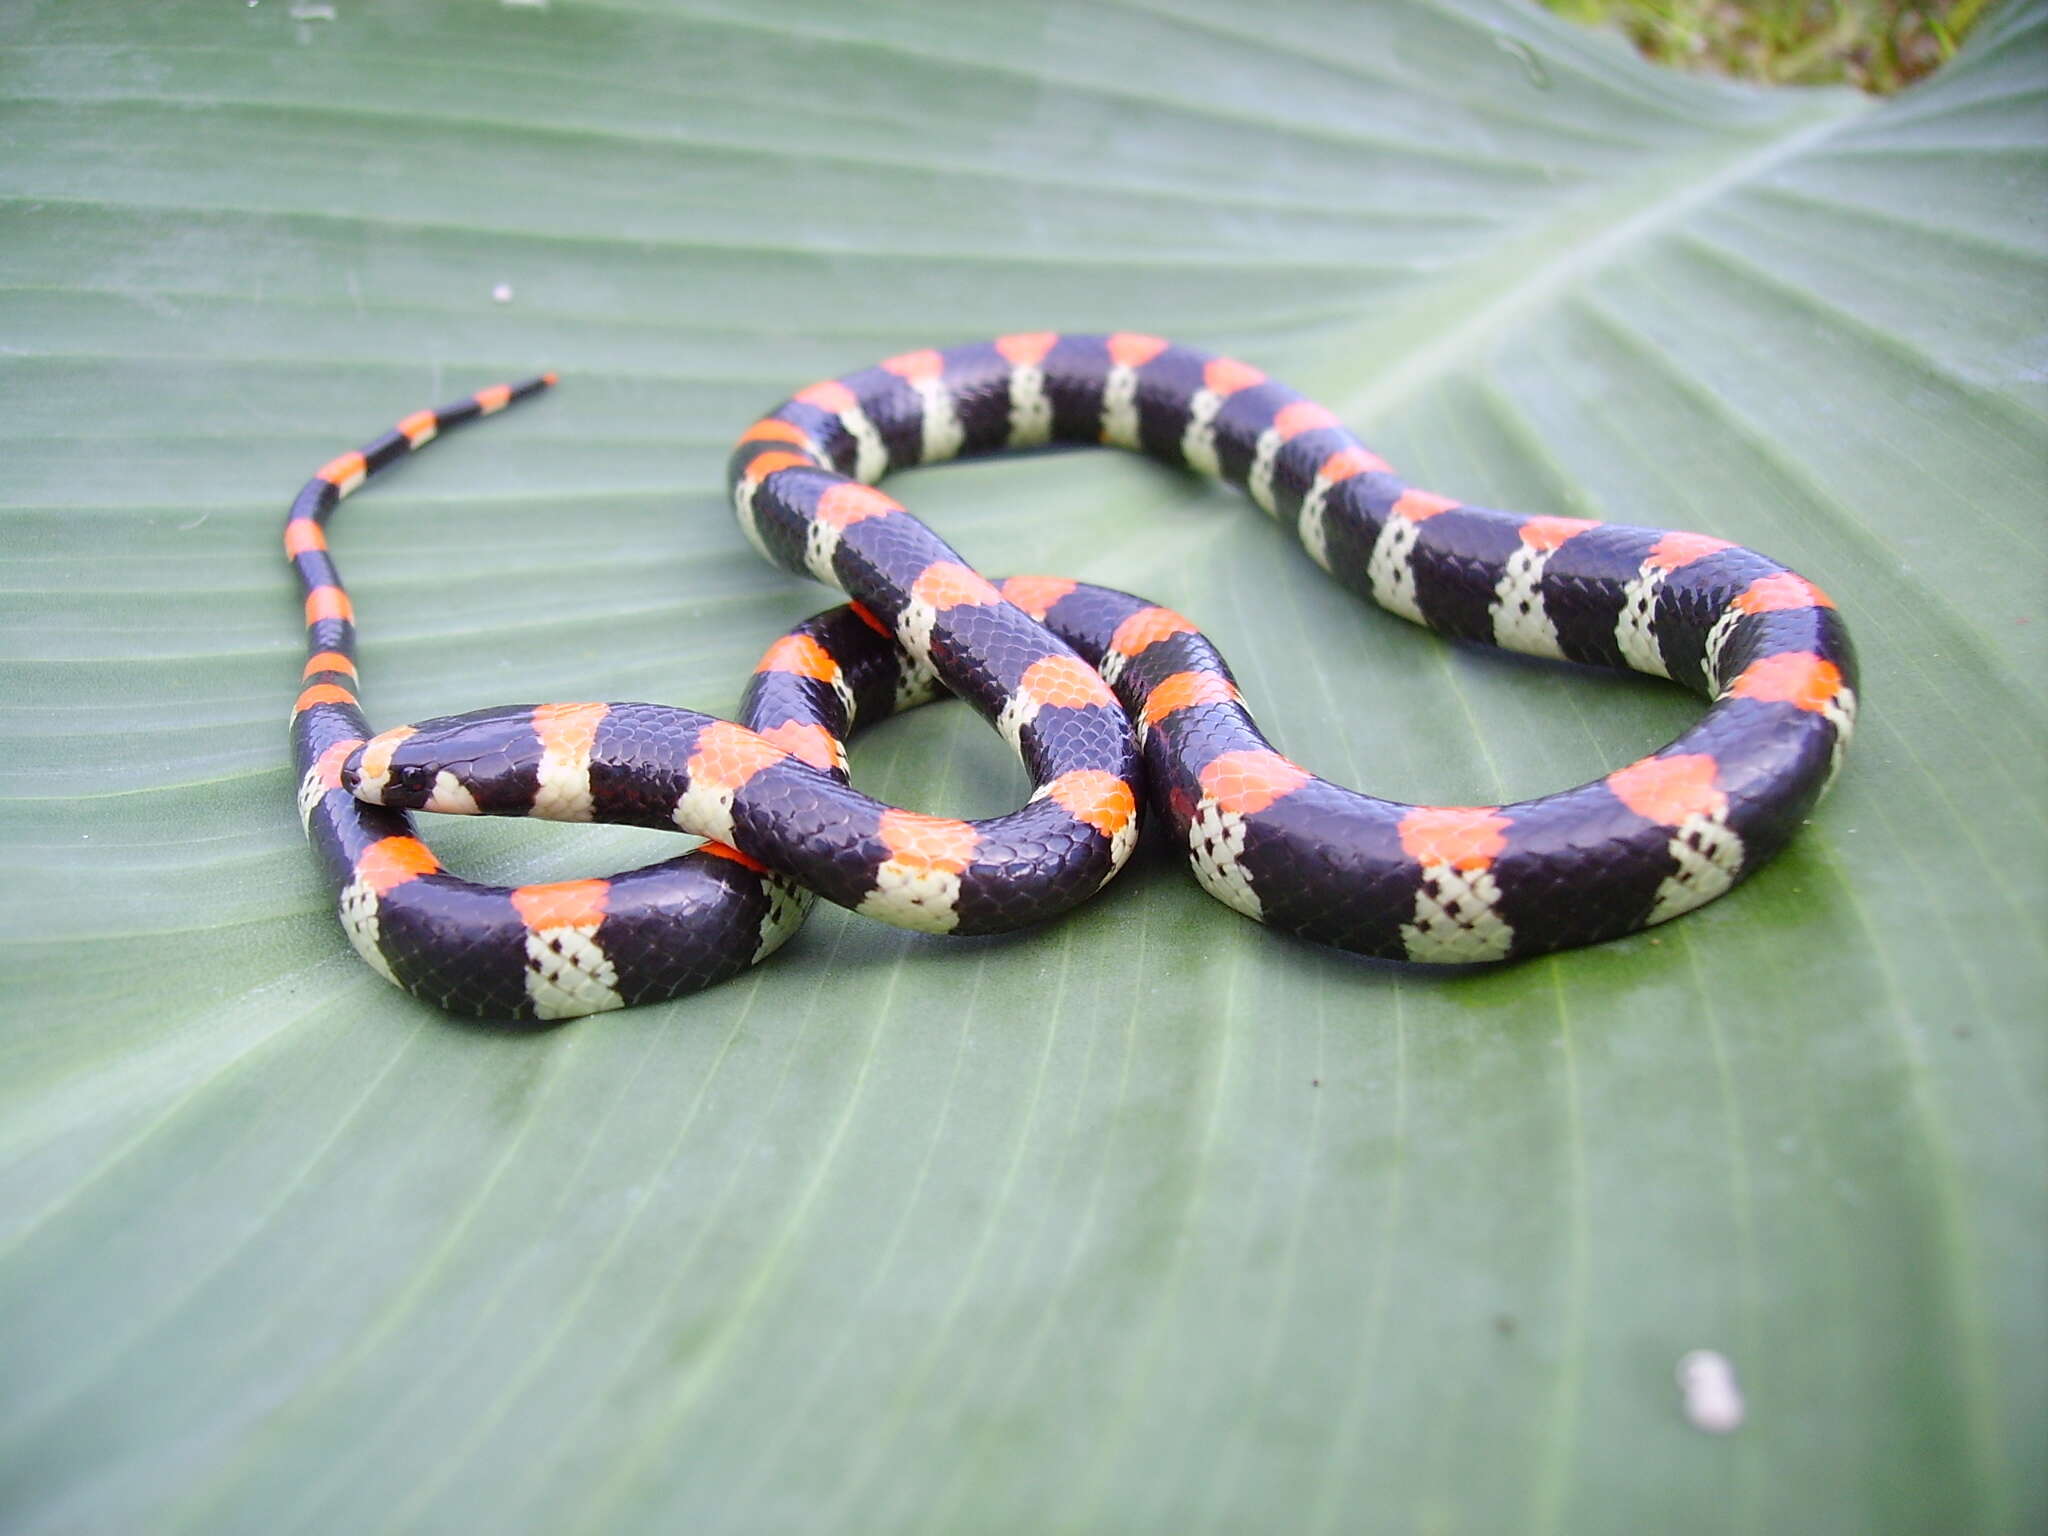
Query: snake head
[
  {"x": 374, "y": 772},
  {"x": 449, "y": 764}
]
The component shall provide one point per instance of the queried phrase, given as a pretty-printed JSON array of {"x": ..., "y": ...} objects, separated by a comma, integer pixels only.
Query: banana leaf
[{"x": 1148, "y": 1220}]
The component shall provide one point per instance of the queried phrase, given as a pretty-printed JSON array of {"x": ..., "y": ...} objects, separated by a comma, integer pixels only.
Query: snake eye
[
  {"x": 398, "y": 785},
  {"x": 409, "y": 785}
]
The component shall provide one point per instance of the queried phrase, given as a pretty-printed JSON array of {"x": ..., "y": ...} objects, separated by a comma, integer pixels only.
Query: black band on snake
[{"x": 1111, "y": 702}]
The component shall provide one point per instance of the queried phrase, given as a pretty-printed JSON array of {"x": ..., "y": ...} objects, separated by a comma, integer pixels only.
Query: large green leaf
[{"x": 1150, "y": 1220}]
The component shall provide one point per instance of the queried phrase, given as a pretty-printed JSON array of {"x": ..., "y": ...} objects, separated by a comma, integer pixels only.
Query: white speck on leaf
[
  {"x": 502, "y": 293},
  {"x": 1712, "y": 1400}
]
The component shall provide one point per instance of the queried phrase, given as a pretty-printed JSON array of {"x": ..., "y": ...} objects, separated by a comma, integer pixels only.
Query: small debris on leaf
[{"x": 1712, "y": 1400}]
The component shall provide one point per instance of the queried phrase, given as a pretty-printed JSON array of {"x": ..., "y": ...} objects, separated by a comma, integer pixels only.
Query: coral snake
[{"x": 1110, "y": 701}]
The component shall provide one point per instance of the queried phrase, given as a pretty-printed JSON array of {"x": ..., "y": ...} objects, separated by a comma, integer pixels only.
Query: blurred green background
[{"x": 1875, "y": 45}]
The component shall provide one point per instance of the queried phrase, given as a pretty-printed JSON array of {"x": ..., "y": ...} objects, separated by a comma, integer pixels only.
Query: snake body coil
[{"x": 1039, "y": 657}]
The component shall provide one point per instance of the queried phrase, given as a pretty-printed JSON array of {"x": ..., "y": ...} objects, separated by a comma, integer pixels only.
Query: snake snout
[
  {"x": 371, "y": 785},
  {"x": 373, "y": 774}
]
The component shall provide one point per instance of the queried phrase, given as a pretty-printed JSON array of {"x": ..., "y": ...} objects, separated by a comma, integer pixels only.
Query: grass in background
[{"x": 1876, "y": 45}]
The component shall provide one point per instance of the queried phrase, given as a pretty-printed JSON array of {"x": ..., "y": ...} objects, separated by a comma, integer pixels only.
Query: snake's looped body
[{"x": 1426, "y": 883}]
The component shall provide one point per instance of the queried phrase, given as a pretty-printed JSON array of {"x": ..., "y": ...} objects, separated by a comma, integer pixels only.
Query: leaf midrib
[{"x": 1470, "y": 312}]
